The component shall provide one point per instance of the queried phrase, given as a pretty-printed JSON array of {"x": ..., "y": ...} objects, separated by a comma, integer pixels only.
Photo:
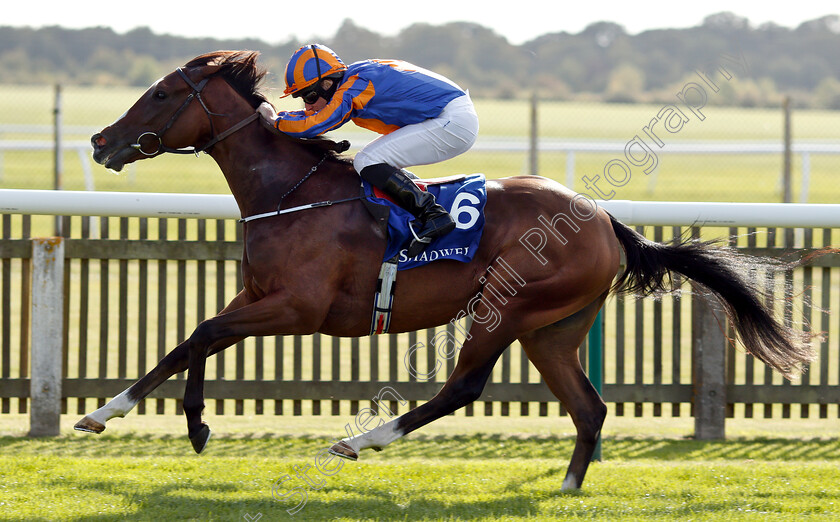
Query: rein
[
  {"x": 280, "y": 212},
  {"x": 196, "y": 94}
]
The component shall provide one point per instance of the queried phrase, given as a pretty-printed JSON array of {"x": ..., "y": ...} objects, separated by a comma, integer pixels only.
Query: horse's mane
[{"x": 240, "y": 71}]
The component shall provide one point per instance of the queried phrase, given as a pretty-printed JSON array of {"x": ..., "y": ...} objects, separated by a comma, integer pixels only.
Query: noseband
[{"x": 196, "y": 94}]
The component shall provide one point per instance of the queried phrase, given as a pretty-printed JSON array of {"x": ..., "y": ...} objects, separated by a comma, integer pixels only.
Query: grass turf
[{"x": 142, "y": 468}]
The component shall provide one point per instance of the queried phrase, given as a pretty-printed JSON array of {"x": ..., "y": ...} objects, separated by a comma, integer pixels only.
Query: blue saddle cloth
[{"x": 463, "y": 196}]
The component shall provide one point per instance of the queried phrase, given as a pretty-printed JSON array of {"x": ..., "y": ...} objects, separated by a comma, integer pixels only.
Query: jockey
[{"x": 423, "y": 117}]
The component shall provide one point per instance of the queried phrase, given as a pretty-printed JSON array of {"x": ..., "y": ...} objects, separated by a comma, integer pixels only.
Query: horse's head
[{"x": 174, "y": 112}]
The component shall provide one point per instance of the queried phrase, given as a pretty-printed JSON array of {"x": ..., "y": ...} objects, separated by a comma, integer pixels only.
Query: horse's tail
[{"x": 725, "y": 273}]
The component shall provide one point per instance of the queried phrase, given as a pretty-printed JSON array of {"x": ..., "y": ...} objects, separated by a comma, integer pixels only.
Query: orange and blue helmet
[{"x": 309, "y": 64}]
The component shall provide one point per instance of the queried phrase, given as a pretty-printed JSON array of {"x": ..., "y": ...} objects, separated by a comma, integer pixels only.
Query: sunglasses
[{"x": 310, "y": 97}]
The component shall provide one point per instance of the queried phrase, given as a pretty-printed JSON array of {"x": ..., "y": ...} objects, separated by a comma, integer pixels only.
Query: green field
[
  {"x": 680, "y": 177},
  {"x": 459, "y": 468},
  {"x": 455, "y": 469}
]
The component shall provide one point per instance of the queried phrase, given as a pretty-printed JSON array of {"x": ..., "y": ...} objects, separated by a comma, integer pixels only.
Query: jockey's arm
[{"x": 353, "y": 94}]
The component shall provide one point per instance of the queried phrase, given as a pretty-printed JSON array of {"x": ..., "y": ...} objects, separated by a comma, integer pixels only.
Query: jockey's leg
[
  {"x": 431, "y": 141},
  {"x": 434, "y": 220}
]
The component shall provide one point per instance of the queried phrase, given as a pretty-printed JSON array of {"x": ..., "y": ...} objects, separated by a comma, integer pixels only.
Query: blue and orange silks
[
  {"x": 379, "y": 95},
  {"x": 309, "y": 64}
]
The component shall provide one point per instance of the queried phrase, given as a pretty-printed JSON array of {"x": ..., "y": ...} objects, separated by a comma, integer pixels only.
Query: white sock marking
[
  {"x": 378, "y": 437},
  {"x": 116, "y": 407}
]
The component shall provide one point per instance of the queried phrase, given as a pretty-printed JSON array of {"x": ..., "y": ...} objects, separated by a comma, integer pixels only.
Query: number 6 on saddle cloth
[{"x": 463, "y": 197}]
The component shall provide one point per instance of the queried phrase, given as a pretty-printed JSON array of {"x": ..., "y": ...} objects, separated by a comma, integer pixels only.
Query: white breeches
[{"x": 437, "y": 139}]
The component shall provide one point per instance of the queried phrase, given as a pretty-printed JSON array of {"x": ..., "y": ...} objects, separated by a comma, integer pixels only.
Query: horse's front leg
[
  {"x": 174, "y": 362},
  {"x": 271, "y": 315},
  {"x": 197, "y": 346}
]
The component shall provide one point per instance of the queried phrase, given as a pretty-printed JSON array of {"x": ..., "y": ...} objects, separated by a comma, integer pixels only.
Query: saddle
[{"x": 462, "y": 196}]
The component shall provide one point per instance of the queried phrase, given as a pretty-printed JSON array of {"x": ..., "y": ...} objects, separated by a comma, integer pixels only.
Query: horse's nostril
[{"x": 98, "y": 140}]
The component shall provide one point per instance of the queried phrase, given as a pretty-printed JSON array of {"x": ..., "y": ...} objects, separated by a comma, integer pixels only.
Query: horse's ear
[{"x": 209, "y": 69}]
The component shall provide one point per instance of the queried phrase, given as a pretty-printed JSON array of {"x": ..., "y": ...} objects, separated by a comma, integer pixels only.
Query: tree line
[{"x": 601, "y": 63}]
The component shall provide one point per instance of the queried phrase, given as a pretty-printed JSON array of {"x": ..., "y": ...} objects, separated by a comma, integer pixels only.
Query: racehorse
[{"x": 315, "y": 270}]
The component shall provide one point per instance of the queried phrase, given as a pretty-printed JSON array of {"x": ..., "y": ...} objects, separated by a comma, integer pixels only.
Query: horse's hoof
[
  {"x": 199, "y": 440},
  {"x": 89, "y": 425},
  {"x": 343, "y": 450}
]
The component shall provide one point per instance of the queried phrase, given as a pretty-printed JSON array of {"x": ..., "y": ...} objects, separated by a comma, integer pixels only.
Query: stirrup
[{"x": 418, "y": 244}]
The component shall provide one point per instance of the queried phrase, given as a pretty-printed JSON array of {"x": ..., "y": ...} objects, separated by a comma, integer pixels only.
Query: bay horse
[{"x": 315, "y": 270}]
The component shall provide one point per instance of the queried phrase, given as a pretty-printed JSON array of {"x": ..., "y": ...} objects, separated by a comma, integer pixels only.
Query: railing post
[
  {"x": 709, "y": 367},
  {"x": 533, "y": 155},
  {"x": 787, "y": 178},
  {"x": 47, "y": 327},
  {"x": 596, "y": 365},
  {"x": 58, "y": 158}
]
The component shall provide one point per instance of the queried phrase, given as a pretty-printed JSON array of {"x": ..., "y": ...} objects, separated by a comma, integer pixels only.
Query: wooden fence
[{"x": 132, "y": 288}]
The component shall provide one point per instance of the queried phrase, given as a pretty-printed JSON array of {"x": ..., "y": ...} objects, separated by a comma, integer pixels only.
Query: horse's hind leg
[
  {"x": 475, "y": 363},
  {"x": 554, "y": 351}
]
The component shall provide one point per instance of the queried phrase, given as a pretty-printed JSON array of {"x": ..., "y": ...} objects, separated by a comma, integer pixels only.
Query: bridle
[{"x": 196, "y": 94}]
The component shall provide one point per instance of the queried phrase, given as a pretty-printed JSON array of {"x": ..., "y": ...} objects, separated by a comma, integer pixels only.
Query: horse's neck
[{"x": 261, "y": 167}]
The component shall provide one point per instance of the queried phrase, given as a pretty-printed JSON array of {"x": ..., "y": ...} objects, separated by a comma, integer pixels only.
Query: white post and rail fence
[
  {"x": 571, "y": 148},
  {"x": 707, "y": 392},
  {"x": 533, "y": 145}
]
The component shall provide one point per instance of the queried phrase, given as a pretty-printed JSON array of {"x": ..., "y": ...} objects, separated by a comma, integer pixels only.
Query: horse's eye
[{"x": 160, "y": 95}]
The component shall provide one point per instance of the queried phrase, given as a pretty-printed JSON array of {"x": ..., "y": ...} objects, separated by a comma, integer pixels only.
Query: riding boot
[{"x": 433, "y": 220}]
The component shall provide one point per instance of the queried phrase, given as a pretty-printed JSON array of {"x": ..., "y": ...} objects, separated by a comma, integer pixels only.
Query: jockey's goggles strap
[{"x": 326, "y": 94}]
